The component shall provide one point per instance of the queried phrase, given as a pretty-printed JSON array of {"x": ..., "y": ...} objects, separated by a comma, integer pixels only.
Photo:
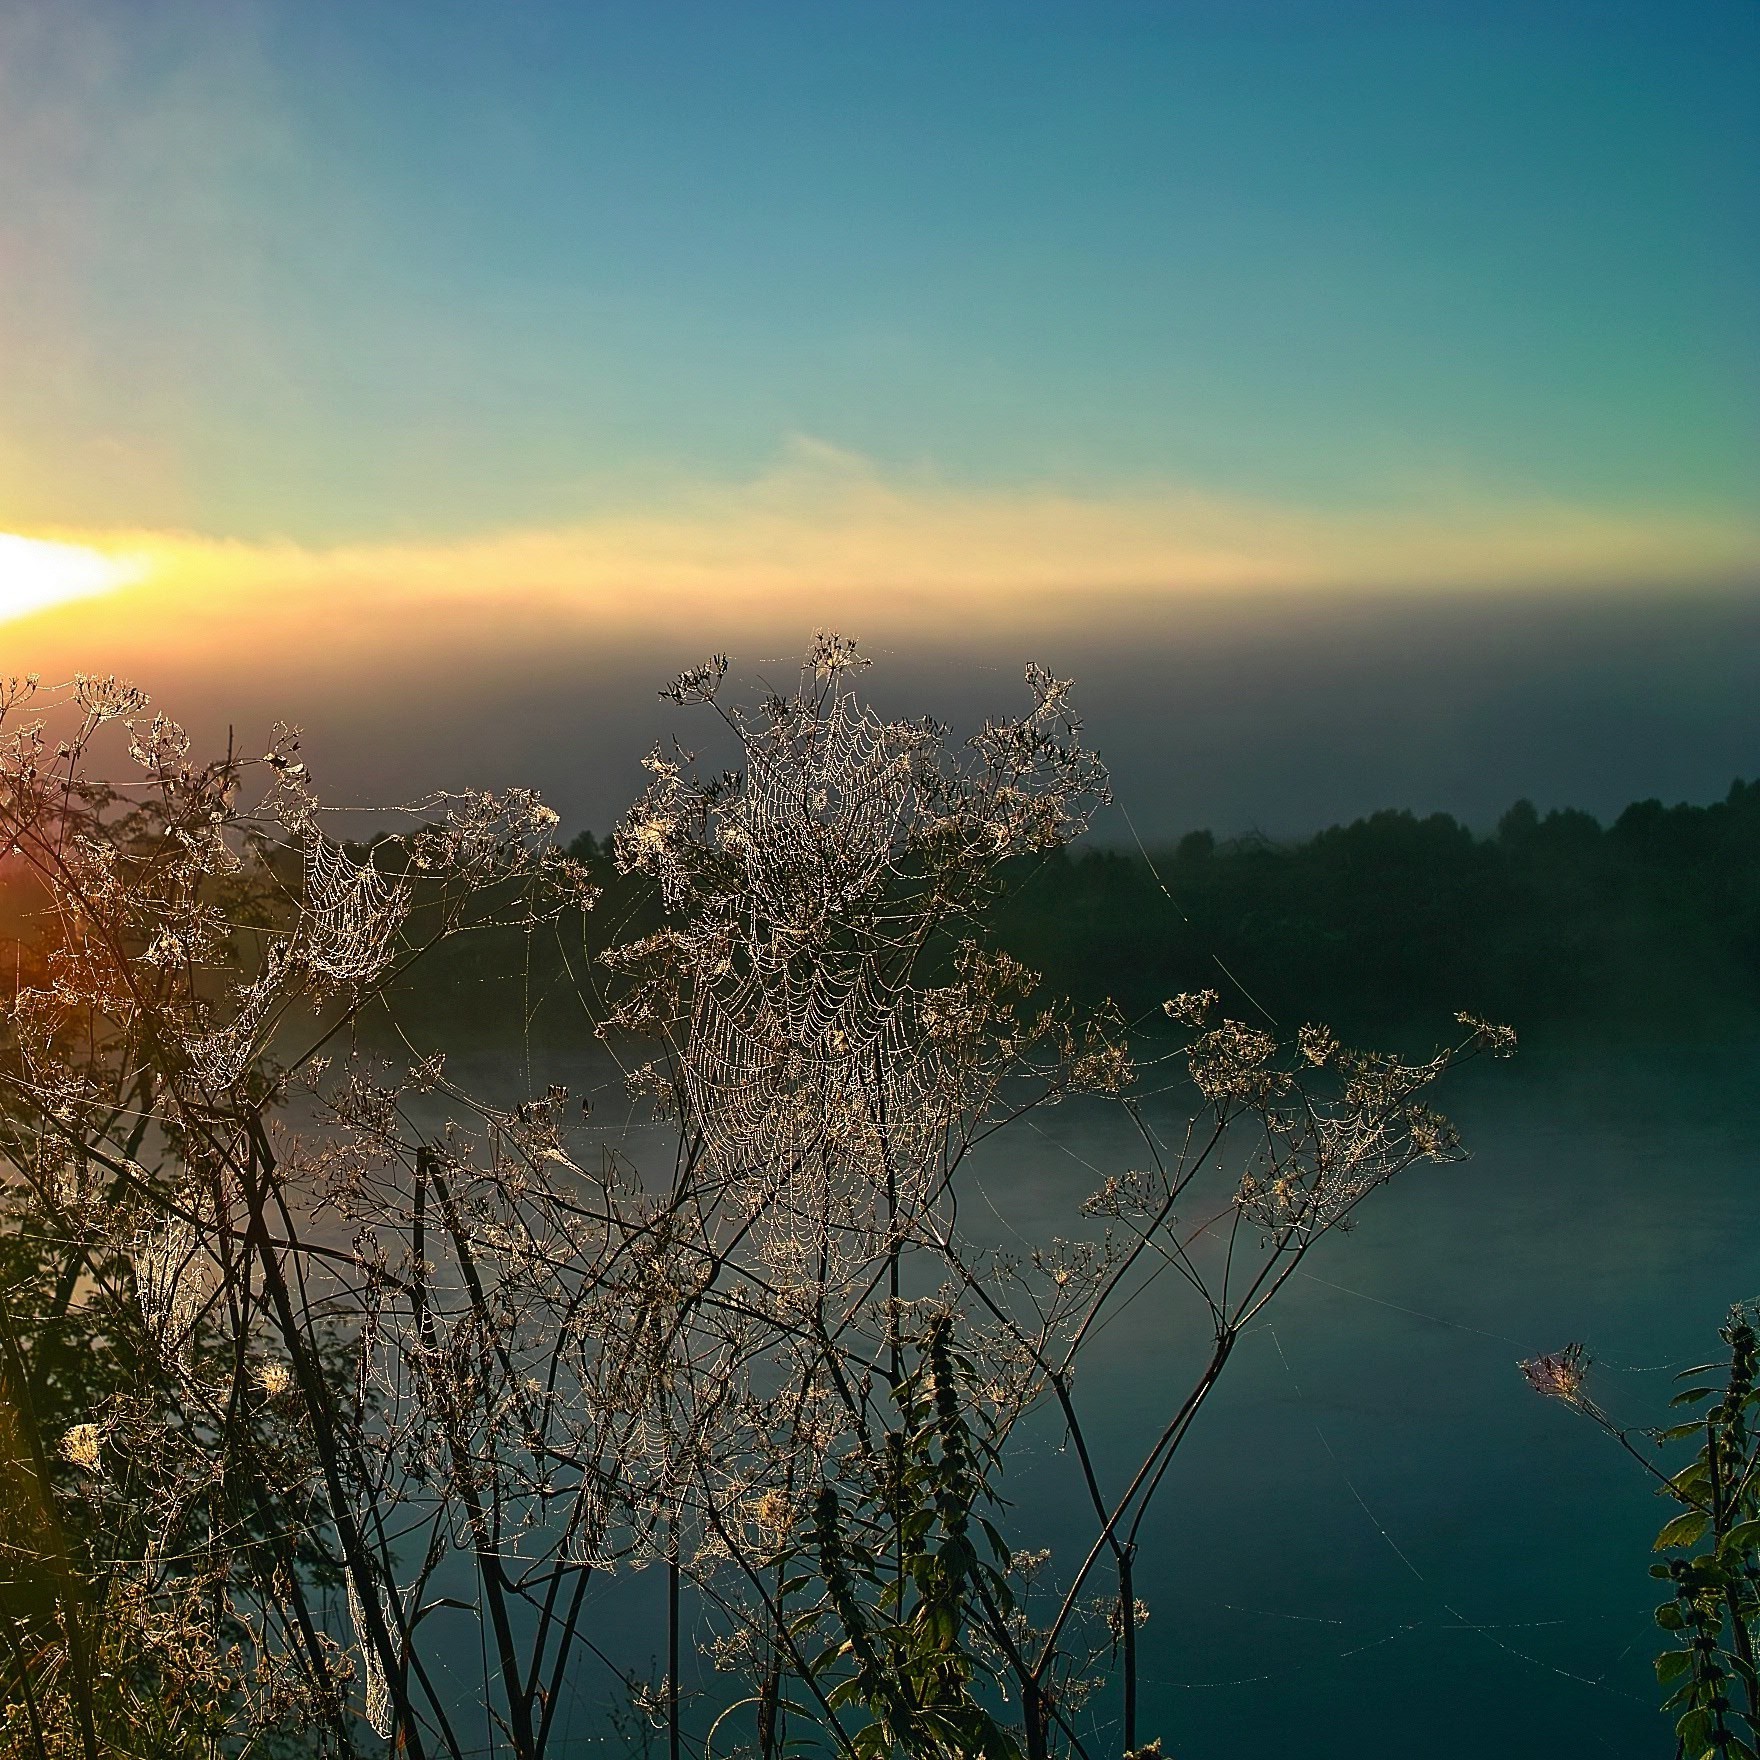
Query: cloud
[
  {"x": 1240, "y": 663},
  {"x": 825, "y": 537}
]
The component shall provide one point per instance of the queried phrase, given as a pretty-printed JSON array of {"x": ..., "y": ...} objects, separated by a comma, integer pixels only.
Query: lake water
[{"x": 1378, "y": 1541}]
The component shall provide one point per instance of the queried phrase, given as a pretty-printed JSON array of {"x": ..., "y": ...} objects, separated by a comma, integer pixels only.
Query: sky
[{"x": 1361, "y": 399}]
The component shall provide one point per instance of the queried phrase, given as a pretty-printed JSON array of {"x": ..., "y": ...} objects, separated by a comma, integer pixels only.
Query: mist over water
[
  {"x": 1276, "y": 713},
  {"x": 1377, "y": 1539}
]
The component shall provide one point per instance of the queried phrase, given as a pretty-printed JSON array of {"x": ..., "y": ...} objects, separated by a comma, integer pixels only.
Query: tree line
[
  {"x": 1553, "y": 919},
  {"x": 1652, "y": 921}
]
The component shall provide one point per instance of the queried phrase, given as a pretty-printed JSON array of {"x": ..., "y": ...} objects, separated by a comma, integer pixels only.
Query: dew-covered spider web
[
  {"x": 817, "y": 1100},
  {"x": 352, "y": 914}
]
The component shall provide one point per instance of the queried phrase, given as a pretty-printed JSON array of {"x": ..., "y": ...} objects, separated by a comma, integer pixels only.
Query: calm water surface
[{"x": 1377, "y": 1541}]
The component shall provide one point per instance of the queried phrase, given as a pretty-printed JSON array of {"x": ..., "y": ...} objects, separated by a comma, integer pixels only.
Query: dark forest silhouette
[{"x": 1553, "y": 920}]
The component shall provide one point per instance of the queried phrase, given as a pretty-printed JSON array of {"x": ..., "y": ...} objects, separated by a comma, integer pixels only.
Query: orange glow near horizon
[{"x": 824, "y": 538}]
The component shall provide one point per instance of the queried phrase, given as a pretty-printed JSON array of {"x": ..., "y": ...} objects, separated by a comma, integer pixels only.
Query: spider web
[
  {"x": 822, "y": 806},
  {"x": 220, "y": 1057},
  {"x": 174, "y": 1278},
  {"x": 352, "y": 912},
  {"x": 805, "y": 1069},
  {"x": 815, "y": 1098}
]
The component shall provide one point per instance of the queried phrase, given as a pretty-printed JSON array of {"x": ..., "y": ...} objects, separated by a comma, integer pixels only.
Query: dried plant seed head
[
  {"x": 1191, "y": 1008},
  {"x": 274, "y": 1377},
  {"x": 83, "y": 1446},
  {"x": 1559, "y": 1374}
]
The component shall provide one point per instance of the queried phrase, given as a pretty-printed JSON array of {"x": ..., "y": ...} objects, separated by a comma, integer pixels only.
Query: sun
[{"x": 36, "y": 572}]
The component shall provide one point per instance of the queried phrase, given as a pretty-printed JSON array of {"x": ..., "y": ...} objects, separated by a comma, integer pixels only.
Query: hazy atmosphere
[
  {"x": 758, "y": 758},
  {"x": 1359, "y": 399}
]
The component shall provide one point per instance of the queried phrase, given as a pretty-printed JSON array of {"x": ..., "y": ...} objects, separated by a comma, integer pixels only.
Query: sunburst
[{"x": 37, "y": 572}]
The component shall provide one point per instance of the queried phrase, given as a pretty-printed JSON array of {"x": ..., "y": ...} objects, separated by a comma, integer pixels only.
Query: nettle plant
[
  {"x": 324, "y": 1372},
  {"x": 1707, "y": 1667}
]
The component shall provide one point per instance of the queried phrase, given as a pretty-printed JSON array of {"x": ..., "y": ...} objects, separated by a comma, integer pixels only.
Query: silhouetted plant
[
  {"x": 836, "y": 1039},
  {"x": 187, "y": 944}
]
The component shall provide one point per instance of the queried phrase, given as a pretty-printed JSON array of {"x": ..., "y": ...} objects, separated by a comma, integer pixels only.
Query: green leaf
[
  {"x": 1001, "y": 1589},
  {"x": 996, "y": 1545},
  {"x": 957, "y": 1559},
  {"x": 1743, "y": 1537},
  {"x": 1679, "y": 1432},
  {"x": 1696, "y": 1730},
  {"x": 1671, "y": 1665},
  {"x": 1692, "y": 1396},
  {"x": 1670, "y": 1617},
  {"x": 1685, "y": 1530}
]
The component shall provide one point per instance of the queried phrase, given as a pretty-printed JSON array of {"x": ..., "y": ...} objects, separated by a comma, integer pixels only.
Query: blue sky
[
  {"x": 542, "y": 330},
  {"x": 348, "y": 270}
]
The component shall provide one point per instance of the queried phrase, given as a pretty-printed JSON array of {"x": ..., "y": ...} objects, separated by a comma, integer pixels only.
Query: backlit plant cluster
[{"x": 325, "y": 1368}]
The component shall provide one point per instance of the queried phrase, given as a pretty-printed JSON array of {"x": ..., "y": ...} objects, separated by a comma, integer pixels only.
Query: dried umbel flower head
[
  {"x": 1559, "y": 1374},
  {"x": 1488, "y": 1036},
  {"x": 1191, "y": 1008},
  {"x": 83, "y": 1446},
  {"x": 274, "y": 1377},
  {"x": 1232, "y": 1063},
  {"x": 1135, "y": 1193},
  {"x": 104, "y": 699},
  {"x": 699, "y": 683},
  {"x": 831, "y": 654}
]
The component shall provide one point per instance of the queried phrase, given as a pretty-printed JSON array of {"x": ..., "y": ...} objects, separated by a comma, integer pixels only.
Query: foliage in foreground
[{"x": 316, "y": 1357}]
